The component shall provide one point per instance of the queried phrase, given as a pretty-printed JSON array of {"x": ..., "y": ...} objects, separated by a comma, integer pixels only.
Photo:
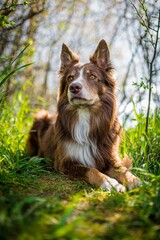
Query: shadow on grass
[{"x": 37, "y": 203}]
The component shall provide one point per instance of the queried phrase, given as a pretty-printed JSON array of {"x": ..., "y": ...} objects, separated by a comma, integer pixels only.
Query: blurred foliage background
[
  {"x": 36, "y": 203},
  {"x": 130, "y": 27}
]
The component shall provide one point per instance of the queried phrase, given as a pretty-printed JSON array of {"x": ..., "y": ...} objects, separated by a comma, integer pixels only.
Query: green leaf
[
  {"x": 11, "y": 73},
  {"x": 3, "y": 76}
]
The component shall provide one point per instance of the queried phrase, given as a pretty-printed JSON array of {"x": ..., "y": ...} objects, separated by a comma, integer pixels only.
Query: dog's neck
[{"x": 85, "y": 123}]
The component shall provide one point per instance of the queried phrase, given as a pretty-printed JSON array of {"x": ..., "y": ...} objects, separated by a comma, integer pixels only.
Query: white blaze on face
[
  {"x": 77, "y": 80},
  {"x": 80, "y": 77},
  {"x": 86, "y": 95}
]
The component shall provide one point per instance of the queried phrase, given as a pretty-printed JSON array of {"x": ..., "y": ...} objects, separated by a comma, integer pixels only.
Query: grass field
[{"x": 36, "y": 203}]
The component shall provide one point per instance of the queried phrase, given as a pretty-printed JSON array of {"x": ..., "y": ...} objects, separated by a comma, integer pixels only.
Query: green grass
[
  {"x": 144, "y": 149},
  {"x": 36, "y": 203}
]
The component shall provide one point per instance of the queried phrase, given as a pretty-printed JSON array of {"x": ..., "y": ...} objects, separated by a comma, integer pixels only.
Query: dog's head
[{"x": 84, "y": 85}]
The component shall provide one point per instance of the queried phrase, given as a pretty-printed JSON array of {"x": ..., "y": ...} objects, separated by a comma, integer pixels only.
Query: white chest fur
[
  {"x": 82, "y": 127},
  {"x": 82, "y": 149}
]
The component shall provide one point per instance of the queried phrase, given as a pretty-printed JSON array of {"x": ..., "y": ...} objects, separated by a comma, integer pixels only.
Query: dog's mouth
[
  {"x": 78, "y": 98},
  {"x": 80, "y": 101}
]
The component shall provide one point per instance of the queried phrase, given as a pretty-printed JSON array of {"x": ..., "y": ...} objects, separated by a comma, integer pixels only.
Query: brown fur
[{"x": 52, "y": 137}]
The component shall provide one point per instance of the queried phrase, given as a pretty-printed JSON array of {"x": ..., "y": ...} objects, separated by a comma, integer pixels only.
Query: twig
[{"x": 151, "y": 74}]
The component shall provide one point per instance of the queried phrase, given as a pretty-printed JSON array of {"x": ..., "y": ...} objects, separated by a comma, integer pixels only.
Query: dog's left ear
[
  {"x": 101, "y": 56},
  {"x": 67, "y": 57}
]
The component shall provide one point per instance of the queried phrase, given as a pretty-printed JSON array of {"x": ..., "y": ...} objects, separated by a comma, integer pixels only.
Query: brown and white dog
[{"x": 83, "y": 138}]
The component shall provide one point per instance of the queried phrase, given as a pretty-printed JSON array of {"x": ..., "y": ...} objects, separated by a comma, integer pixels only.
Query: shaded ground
[{"x": 51, "y": 206}]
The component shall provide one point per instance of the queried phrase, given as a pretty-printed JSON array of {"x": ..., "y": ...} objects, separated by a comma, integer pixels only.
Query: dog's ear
[
  {"x": 101, "y": 56},
  {"x": 67, "y": 57}
]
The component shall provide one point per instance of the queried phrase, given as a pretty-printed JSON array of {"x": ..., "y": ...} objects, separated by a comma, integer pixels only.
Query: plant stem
[{"x": 151, "y": 74}]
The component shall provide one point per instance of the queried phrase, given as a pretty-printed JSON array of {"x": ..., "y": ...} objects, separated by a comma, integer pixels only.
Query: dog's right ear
[{"x": 67, "y": 58}]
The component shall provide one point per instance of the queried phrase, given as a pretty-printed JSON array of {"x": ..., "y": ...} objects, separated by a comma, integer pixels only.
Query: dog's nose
[{"x": 75, "y": 88}]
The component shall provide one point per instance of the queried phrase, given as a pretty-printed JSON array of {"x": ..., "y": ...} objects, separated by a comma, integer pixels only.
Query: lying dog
[{"x": 83, "y": 138}]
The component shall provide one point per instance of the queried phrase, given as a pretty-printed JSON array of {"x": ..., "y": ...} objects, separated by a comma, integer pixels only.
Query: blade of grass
[
  {"x": 14, "y": 71},
  {"x": 5, "y": 71}
]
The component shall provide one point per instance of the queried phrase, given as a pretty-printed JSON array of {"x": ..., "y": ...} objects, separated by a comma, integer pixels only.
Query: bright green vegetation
[{"x": 36, "y": 203}]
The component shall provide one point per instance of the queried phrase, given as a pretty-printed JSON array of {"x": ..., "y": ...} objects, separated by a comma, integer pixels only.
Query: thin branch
[{"x": 151, "y": 73}]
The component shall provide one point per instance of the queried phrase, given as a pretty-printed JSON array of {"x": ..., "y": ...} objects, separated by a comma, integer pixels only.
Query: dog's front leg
[
  {"x": 92, "y": 176},
  {"x": 122, "y": 175}
]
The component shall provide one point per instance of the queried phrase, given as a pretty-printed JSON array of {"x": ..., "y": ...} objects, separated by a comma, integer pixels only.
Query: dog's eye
[
  {"x": 92, "y": 77},
  {"x": 70, "y": 78}
]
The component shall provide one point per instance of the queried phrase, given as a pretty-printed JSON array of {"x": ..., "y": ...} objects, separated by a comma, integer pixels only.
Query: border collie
[{"x": 82, "y": 139}]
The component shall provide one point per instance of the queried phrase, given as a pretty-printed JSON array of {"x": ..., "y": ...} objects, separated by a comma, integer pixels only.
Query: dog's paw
[
  {"x": 110, "y": 183},
  {"x": 134, "y": 184},
  {"x": 132, "y": 181}
]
